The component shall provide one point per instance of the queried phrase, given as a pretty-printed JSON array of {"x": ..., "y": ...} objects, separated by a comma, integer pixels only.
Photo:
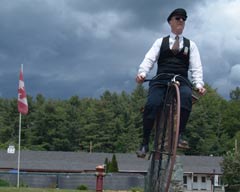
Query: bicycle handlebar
[{"x": 174, "y": 79}]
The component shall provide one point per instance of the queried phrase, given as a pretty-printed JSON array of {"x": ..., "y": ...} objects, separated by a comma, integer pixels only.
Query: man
[{"x": 174, "y": 54}]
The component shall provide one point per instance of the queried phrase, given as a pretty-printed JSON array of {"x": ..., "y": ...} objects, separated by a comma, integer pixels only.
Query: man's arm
[
  {"x": 195, "y": 68},
  {"x": 149, "y": 61}
]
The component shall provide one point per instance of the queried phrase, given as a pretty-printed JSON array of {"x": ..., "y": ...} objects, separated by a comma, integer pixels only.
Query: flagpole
[
  {"x": 22, "y": 109},
  {"x": 19, "y": 149}
]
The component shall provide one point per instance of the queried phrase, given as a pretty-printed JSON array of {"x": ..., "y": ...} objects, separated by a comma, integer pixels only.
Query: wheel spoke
[{"x": 165, "y": 144}]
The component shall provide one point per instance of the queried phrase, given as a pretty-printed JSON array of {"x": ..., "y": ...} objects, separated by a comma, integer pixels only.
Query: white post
[{"x": 19, "y": 149}]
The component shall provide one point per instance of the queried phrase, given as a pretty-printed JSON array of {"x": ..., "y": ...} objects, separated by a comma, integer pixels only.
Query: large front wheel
[{"x": 165, "y": 143}]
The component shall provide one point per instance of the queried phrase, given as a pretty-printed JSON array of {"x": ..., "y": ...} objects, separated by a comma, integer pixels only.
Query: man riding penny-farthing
[{"x": 175, "y": 55}]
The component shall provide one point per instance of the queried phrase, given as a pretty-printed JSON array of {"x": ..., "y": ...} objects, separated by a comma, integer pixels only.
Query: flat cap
[{"x": 178, "y": 11}]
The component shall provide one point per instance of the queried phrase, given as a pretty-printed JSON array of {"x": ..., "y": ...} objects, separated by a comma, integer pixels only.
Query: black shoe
[
  {"x": 141, "y": 153},
  {"x": 182, "y": 144}
]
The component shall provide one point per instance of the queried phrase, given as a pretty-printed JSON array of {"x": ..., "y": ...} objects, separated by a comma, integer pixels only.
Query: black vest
[{"x": 170, "y": 63}]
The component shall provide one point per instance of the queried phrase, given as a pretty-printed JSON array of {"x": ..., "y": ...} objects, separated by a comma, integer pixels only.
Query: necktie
[{"x": 175, "y": 48}]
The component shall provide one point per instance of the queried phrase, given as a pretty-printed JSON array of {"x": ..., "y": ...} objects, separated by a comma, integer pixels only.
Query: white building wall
[
  {"x": 189, "y": 183},
  {"x": 195, "y": 182}
]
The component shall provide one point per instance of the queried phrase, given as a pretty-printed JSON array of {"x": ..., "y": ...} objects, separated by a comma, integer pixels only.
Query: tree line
[{"x": 113, "y": 123}]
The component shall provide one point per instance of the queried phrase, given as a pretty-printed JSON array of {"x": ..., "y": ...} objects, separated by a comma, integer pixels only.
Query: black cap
[{"x": 179, "y": 11}]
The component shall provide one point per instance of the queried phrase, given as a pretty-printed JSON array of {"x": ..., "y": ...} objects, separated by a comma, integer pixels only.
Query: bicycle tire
[{"x": 165, "y": 142}]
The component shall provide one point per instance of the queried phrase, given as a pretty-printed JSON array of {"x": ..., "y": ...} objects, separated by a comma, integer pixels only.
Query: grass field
[{"x": 14, "y": 189}]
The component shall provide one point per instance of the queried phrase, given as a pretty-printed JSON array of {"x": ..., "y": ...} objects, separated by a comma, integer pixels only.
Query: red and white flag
[{"x": 22, "y": 96}]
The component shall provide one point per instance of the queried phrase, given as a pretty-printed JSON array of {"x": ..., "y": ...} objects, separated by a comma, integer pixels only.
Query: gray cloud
[
  {"x": 79, "y": 47},
  {"x": 234, "y": 74}
]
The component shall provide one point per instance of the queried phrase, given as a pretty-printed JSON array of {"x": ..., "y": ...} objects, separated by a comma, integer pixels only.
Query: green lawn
[{"x": 14, "y": 189}]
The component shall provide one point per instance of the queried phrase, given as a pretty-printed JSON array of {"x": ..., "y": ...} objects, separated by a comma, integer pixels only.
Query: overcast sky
[{"x": 84, "y": 47}]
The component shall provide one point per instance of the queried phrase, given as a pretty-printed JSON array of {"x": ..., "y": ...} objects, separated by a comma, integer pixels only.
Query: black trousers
[{"x": 154, "y": 101}]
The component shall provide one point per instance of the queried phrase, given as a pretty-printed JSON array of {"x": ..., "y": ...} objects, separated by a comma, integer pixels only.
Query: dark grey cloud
[{"x": 79, "y": 47}]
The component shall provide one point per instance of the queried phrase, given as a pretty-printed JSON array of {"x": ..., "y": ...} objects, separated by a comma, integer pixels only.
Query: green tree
[
  {"x": 113, "y": 123},
  {"x": 106, "y": 163},
  {"x": 204, "y": 130},
  {"x": 235, "y": 94},
  {"x": 231, "y": 118},
  {"x": 231, "y": 167},
  {"x": 138, "y": 100},
  {"x": 113, "y": 167}
]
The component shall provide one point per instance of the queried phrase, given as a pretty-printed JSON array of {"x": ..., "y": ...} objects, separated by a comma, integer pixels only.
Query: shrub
[
  {"x": 82, "y": 187},
  {"x": 136, "y": 189},
  {"x": 4, "y": 183}
]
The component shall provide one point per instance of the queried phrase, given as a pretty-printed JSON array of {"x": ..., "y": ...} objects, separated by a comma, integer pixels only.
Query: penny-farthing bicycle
[{"x": 163, "y": 155}]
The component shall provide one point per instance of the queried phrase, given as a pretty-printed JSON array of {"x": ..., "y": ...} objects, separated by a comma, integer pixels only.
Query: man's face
[{"x": 177, "y": 24}]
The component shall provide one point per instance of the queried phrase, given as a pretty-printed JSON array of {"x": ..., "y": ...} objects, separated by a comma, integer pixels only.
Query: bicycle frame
[
  {"x": 166, "y": 137},
  {"x": 163, "y": 155}
]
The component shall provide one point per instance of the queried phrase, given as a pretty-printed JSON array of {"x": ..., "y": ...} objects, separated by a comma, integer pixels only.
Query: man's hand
[
  {"x": 140, "y": 78},
  {"x": 201, "y": 91}
]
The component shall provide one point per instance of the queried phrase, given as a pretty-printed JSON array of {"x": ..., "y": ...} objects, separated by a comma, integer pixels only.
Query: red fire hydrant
[{"x": 100, "y": 174}]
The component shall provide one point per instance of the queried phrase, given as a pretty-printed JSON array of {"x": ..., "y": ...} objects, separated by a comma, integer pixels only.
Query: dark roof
[
  {"x": 69, "y": 161},
  {"x": 53, "y": 161},
  {"x": 202, "y": 164}
]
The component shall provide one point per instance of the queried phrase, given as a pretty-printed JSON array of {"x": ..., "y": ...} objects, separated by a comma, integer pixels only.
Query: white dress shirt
[{"x": 195, "y": 65}]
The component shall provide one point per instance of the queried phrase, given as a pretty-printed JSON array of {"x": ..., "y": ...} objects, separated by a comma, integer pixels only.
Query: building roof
[
  {"x": 53, "y": 161},
  {"x": 202, "y": 164}
]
